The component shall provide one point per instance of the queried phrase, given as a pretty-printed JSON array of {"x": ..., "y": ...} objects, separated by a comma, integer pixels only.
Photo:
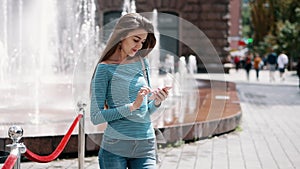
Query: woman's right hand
[{"x": 144, "y": 91}]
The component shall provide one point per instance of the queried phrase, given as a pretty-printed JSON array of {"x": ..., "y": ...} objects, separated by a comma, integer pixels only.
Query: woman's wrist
[{"x": 132, "y": 107}]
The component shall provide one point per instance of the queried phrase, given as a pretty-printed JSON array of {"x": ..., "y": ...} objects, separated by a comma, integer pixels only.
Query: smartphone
[{"x": 166, "y": 88}]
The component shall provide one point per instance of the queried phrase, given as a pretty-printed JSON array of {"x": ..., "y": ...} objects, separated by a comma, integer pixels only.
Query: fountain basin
[{"x": 43, "y": 134}]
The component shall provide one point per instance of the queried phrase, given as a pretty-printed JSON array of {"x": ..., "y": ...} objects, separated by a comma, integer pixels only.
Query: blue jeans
[
  {"x": 134, "y": 154},
  {"x": 108, "y": 160}
]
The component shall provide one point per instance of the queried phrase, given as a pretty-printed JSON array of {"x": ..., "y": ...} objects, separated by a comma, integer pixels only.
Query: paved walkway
[{"x": 268, "y": 137}]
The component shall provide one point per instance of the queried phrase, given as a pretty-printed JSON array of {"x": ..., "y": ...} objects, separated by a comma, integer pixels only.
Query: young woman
[{"x": 122, "y": 97}]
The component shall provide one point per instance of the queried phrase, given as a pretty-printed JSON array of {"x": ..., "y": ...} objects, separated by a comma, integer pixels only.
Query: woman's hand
[
  {"x": 160, "y": 95},
  {"x": 144, "y": 91}
]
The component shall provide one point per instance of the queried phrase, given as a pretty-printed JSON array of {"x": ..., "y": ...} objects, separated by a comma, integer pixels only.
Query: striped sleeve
[{"x": 98, "y": 97}]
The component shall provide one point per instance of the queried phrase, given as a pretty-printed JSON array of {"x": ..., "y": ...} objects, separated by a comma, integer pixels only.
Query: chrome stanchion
[
  {"x": 81, "y": 135},
  {"x": 15, "y": 133}
]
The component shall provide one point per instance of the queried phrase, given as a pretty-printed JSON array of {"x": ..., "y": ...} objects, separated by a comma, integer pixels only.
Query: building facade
[
  {"x": 235, "y": 24},
  {"x": 212, "y": 17}
]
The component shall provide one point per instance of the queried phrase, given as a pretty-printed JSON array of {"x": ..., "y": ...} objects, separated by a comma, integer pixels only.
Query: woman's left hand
[{"x": 159, "y": 95}]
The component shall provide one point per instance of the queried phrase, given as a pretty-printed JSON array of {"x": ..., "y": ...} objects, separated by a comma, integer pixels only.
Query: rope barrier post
[
  {"x": 15, "y": 133},
  {"x": 81, "y": 135}
]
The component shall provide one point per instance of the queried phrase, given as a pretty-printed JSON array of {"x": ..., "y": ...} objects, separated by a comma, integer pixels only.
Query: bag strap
[
  {"x": 145, "y": 71},
  {"x": 159, "y": 135}
]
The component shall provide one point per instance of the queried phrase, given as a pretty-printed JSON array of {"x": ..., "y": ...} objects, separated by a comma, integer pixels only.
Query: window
[
  {"x": 168, "y": 26},
  {"x": 109, "y": 21}
]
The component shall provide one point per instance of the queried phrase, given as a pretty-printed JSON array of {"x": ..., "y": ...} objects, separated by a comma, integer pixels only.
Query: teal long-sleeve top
[{"x": 117, "y": 86}]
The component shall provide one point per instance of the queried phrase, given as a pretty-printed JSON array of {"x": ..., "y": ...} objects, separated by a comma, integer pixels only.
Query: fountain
[
  {"x": 154, "y": 56},
  {"x": 41, "y": 44},
  {"x": 192, "y": 66},
  {"x": 128, "y": 7},
  {"x": 48, "y": 52}
]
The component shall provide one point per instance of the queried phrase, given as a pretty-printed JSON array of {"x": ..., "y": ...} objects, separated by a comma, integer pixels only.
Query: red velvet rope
[
  {"x": 44, "y": 159},
  {"x": 10, "y": 161}
]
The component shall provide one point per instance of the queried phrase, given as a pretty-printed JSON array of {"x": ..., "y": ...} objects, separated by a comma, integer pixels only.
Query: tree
[
  {"x": 276, "y": 24},
  {"x": 289, "y": 36},
  {"x": 262, "y": 19}
]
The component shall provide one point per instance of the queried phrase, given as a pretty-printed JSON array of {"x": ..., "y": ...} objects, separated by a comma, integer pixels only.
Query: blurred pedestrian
[
  {"x": 257, "y": 64},
  {"x": 282, "y": 61},
  {"x": 264, "y": 61},
  {"x": 227, "y": 63},
  {"x": 248, "y": 64},
  {"x": 237, "y": 62},
  {"x": 272, "y": 61},
  {"x": 298, "y": 70}
]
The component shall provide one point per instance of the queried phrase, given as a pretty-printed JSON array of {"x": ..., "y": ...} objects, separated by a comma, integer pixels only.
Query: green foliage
[
  {"x": 289, "y": 34},
  {"x": 276, "y": 24},
  {"x": 262, "y": 19},
  {"x": 238, "y": 129},
  {"x": 178, "y": 143},
  {"x": 246, "y": 23}
]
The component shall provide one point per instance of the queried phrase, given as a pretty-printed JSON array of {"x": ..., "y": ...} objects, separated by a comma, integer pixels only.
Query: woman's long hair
[{"x": 126, "y": 24}]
